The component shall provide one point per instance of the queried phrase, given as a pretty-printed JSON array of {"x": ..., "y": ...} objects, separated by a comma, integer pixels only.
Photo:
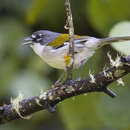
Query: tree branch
[
  {"x": 70, "y": 88},
  {"x": 69, "y": 26}
]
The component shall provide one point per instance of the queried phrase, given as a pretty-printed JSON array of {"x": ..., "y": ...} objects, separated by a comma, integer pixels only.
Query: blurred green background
[{"x": 22, "y": 71}]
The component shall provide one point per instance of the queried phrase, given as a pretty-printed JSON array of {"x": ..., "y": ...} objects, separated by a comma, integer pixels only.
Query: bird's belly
[
  {"x": 56, "y": 62},
  {"x": 56, "y": 58}
]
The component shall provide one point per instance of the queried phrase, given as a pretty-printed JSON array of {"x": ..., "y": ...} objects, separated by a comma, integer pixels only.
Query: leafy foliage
[
  {"x": 121, "y": 29},
  {"x": 21, "y": 70}
]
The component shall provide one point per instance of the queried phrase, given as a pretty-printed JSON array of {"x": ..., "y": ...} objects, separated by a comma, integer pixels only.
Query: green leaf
[
  {"x": 35, "y": 9},
  {"x": 121, "y": 29},
  {"x": 115, "y": 113},
  {"x": 103, "y": 14},
  {"x": 81, "y": 113},
  {"x": 28, "y": 83},
  {"x": 11, "y": 33},
  {"x": 45, "y": 11}
]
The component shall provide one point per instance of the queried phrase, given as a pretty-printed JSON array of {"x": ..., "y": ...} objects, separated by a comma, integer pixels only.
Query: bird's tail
[{"x": 109, "y": 40}]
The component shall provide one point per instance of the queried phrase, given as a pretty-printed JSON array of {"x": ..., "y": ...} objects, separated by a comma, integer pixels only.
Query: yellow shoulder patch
[{"x": 61, "y": 39}]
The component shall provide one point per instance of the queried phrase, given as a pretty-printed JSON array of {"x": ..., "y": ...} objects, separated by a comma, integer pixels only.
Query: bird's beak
[{"x": 28, "y": 41}]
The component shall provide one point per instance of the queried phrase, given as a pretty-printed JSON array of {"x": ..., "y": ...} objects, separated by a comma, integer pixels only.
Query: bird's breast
[{"x": 55, "y": 57}]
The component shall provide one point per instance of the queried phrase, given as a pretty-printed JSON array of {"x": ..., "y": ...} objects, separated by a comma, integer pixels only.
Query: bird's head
[{"x": 42, "y": 37}]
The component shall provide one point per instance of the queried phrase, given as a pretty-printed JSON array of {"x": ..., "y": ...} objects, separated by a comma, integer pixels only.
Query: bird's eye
[{"x": 36, "y": 36}]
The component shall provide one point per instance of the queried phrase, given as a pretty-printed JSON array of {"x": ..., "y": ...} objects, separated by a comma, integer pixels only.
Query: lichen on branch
[{"x": 70, "y": 88}]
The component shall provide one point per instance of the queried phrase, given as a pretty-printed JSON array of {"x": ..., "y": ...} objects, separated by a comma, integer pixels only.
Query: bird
[{"x": 52, "y": 47}]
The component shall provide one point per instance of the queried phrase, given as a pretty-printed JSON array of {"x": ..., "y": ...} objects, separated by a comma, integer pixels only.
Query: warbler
[{"x": 53, "y": 47}]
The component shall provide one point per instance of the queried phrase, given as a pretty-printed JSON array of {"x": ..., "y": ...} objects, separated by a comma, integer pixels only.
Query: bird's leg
[
  {"x": 60, "y": 78},
  {"x": 79, "y": 72},
  {"x": 80, "y": 69}
]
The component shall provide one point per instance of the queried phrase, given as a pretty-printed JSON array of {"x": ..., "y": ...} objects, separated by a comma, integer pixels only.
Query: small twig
[
  {"x": 70, "y": 88},
  {"x": 69, "y": 26}
]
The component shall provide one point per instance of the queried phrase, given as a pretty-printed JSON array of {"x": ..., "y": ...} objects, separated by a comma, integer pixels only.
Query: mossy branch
[{"x": 60, "y": 92}]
